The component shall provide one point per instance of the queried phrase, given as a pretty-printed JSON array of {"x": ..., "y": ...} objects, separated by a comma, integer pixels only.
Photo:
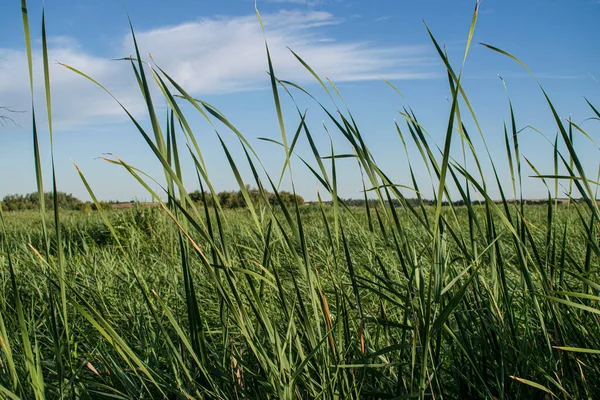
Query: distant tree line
[
  {"x": 227, "y": 199},
  {"x": 31, "y": 201},
  {"x": 414, "y": 202},
  {"x": 235, "y": 199},
  {"x": 375, "y": 202},
  {"x": 66, "y": 201}
]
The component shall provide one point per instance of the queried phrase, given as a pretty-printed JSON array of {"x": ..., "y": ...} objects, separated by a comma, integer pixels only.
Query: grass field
[
  {"x": 494, "y": 301},
  {"x": 361, "y": 306}
]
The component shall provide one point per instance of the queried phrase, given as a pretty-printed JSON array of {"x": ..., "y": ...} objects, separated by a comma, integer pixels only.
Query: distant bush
[
  {"x": 31, "y": 201},
  {"x": 104, "y": 205},
  {"x": 86, "y": 207}
]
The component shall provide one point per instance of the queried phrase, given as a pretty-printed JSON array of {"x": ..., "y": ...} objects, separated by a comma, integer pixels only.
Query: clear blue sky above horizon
[{"x": 215, "y": 50}]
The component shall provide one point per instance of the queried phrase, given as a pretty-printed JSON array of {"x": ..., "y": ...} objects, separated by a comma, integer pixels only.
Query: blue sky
[{"x": 215, "y": 50}]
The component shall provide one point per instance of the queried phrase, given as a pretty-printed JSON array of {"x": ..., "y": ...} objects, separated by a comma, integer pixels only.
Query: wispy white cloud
[
  {"x": 288, "y": 1},
  {"x": 383, "y": 18},
  {"x": 520, "y": 75},
  {"x": 209, "y": 56},
  {"x": 75, "y": 102},
  {"x": 547, "y": 75},
  {"x": 309, "y": 3},
  {"x": 225, "y": 55}
]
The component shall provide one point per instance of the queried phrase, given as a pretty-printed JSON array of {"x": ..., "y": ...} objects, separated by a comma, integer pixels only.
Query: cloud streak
[
  {"x": 209, "y": 56},
  {"x": 309, "y": 3},
  {"x": 226, "y": 55},
  {"x": 74, "y": 100}
]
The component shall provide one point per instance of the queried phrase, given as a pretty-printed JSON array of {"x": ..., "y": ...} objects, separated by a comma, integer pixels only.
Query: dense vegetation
[
  {"x": 31, "y": 201},
  {"x": 237, "y": 199},
  {"x": 227, "y": 199},
  {"x": 395, "y": 299}
]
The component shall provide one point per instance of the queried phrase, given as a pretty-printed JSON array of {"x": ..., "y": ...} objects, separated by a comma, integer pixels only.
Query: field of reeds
[{"x": 400, "y": 298}]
